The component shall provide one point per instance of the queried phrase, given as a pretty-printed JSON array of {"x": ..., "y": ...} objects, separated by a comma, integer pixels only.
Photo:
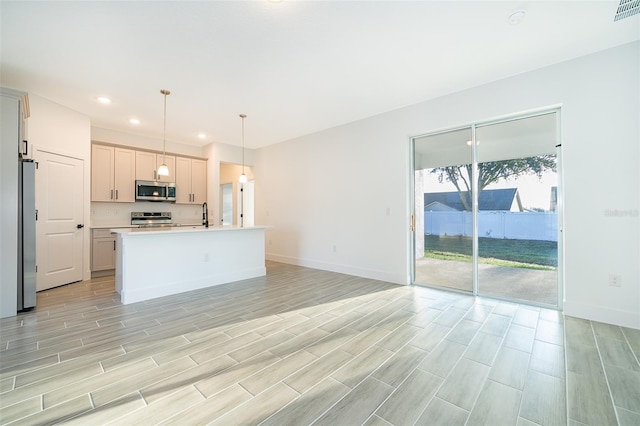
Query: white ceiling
[{"x": 294, "y": 67}]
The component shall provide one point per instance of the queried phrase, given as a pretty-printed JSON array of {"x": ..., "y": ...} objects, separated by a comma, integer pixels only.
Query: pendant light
[
  {"x": 243, "y": 177},
  {"x": 163, "y": 170}
]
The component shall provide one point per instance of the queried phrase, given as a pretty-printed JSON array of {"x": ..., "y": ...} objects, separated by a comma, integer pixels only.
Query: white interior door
[
  {"x": 59, "y": 202},
  {"x": 226, "y": 201}
]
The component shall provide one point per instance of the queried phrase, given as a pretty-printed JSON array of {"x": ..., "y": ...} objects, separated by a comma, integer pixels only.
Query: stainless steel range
[{"x": 151, "y": 219}]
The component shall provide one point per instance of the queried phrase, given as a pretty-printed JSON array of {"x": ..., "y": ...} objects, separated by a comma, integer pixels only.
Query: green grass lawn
[{"x": 529, "y": 254}]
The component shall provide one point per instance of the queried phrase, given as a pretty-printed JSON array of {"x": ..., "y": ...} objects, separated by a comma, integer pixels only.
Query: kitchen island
[{"x": 156, "y": 262}]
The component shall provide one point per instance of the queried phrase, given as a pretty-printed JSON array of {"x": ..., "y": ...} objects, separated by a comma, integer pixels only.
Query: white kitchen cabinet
[
  {"x": 191, "y": 180},
  {"x": 103, "y": 250},
  {"x": 199, "y": 181},
  {"x": 112, "y": 174},
  {"x": 147, "y": 164}
]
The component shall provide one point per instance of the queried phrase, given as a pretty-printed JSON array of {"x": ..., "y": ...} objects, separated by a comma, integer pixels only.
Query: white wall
[
  {"x": 339, "y": 199},
  {"x": 55, "y": 128}
]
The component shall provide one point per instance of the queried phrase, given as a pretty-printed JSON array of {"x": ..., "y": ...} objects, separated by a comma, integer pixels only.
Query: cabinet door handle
[
  {"x": 114, "y": 245},
  {"x": 116, "y": 194},
  {"x": 194, "y": 197},
  {"x": 111, "y": 195},
  {"x": 154, "y": 175}
]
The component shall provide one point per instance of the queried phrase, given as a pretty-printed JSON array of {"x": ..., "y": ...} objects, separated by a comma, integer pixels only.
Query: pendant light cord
[{"x": 164, "y": 128}]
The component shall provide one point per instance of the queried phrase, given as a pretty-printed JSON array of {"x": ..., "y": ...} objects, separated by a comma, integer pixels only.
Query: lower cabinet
[{"x": 103, "y": 252}]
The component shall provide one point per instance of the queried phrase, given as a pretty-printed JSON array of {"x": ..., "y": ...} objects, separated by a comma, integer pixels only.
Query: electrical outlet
[
  {"x": 334, "y": 249},
  {"x": 615, "y": 280}
]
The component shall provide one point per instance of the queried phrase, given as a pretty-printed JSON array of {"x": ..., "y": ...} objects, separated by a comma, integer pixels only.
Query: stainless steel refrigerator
[{"x": 26, "y": 235}]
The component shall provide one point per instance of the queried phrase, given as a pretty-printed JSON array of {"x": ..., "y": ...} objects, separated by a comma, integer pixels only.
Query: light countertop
[
  {"x": 112, "y": 226},
  {"x": 180, "y": 229},
  {"x": 136, "y": 226}
]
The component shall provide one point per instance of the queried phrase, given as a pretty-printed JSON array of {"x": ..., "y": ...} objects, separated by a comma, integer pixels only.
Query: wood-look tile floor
[{"x": 303, "y": 346}]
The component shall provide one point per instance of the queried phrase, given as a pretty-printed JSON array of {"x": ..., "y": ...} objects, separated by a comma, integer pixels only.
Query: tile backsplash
[{"x": 119, "y": 214}]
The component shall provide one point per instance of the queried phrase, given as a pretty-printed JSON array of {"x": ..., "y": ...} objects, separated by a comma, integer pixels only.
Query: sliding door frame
[{"x": 556, "y": 109}]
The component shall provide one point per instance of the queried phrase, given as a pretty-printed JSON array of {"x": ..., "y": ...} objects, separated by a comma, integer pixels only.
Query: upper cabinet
[
  {"x": 114, "y": 171},
  {"x": 191, "y": 181},
  {"x": 199, "y": 181},
  {"x": 147, "y": 164},
  {"x": 112, "y": 174}
]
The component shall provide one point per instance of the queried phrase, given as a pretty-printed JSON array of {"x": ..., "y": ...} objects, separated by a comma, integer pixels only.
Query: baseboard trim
[
  {"x": 339, "y": 268},
  {"x": 105, "y": 273},
  {"x": 602, "y": 314}
]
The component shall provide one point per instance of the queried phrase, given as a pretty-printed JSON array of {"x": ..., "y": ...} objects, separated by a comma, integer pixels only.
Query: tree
[{"x": 492, "y": 171}]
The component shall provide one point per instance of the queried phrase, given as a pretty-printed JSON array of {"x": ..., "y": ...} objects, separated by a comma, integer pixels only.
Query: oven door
[{"x": 155, "y": 191}]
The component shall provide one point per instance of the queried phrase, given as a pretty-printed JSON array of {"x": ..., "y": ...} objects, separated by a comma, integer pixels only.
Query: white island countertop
[
  {"x": 180, "y": 229},
  {"x": 156, "y": 262}
]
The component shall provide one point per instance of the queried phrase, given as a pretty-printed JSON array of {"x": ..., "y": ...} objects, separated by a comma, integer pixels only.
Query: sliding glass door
[
  {"x": 486, "y": 209},
  {"x": 517, "y": 209},
  {"x": 443, "y": 217}
]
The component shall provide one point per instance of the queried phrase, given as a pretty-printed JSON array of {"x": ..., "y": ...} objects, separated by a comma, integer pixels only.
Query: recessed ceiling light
[
  {"x": 201, "y": 135},
  {"x": 516, "y": 17},
  {"x": 104, "y": 100},
  {"x": 134, "y": 121}
]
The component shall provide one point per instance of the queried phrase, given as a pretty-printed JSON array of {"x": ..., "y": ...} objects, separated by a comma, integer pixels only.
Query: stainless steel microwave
[{"x": 147, "y": 190}]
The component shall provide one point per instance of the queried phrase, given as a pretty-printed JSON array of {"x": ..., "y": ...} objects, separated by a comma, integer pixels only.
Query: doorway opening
[
  {"x": 236, "y": 199},
  {"x": 487, "y": 209}
]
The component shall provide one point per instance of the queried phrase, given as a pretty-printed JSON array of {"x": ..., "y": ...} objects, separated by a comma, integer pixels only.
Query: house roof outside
[{"x": 489, "y": 199}]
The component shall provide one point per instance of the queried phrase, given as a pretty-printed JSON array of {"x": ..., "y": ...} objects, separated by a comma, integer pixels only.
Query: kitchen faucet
[{"x": 205, "y": 215}]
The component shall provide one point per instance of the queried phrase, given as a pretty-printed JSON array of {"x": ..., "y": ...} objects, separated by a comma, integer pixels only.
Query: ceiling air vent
[{"x": 627, "y": 8}]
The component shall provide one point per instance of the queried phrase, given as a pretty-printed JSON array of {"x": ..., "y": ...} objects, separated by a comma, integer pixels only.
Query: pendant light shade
[
  {"x": 243, "y": 176},
  {"x": 163, "y": 170}
]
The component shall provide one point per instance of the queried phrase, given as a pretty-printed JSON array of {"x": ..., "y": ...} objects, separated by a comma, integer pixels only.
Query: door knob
[{"x": 79, "y": 226}]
